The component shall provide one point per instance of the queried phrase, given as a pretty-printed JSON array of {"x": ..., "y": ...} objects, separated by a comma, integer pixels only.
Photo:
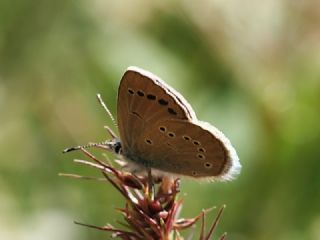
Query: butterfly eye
[
  {"x": 208, "y": 165},
  {"x": 148, "y": 141},
  {"x": 201, "y": 156},
  {"x": 130, "y": 91}
]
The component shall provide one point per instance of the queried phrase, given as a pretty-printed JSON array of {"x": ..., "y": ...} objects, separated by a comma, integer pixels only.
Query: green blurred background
[{"x": 251, "y": 68}]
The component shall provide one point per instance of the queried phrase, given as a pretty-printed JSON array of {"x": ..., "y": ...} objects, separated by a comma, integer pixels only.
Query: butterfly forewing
[{"x": 143, "y": 99}]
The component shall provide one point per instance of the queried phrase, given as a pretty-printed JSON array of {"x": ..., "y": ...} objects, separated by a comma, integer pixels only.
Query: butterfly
[{"x": 159, "y": 130}]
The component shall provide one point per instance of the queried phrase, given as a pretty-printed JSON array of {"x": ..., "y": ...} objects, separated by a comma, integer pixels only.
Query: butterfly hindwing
[{"x": 185, "y": 148}]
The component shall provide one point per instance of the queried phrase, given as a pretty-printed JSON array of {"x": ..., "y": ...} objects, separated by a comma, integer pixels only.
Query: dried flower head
[{"x": 152, "y": 205}]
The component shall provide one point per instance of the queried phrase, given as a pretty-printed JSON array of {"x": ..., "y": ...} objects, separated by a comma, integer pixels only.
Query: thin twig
[
  {"x": 71, "y": 175},
  {"x": 215, "y": 223}
]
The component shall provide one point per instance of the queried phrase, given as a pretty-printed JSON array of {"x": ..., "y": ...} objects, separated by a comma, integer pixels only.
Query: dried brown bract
[{"x": 152, "y": 205}]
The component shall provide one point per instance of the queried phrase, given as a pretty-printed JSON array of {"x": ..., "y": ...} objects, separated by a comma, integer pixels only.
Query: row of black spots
[
  {"x": 149, "y": 96},
  {"x": 200, "y": 149},
  {"x": 148, "y": 141},
  {"x": 165, "y": 103},
  {"x": 207, "y": 165},
  {"x": 163, "y": 129},
  {"x": 195, "y": 142},
  {"x": 152, "y": 97}
]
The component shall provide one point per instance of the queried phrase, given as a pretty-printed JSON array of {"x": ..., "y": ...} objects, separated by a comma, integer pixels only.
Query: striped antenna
[
  {"x": 79, "y": 147},
  {"x": 105, "y": 145},
  {"x": 106, "y": 109}
]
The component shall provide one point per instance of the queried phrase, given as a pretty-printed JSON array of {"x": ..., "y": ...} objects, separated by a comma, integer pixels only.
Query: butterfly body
[{"x": 159, "y": 130}]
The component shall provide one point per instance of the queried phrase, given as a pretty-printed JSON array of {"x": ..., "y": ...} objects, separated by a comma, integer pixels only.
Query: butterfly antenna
[
  {"x": 83, "y": 146},
  {"x": 106, "y": 109}
]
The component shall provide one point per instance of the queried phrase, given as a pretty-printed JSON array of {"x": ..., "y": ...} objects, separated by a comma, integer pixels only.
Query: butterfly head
[{"x": 114, "y": 145}]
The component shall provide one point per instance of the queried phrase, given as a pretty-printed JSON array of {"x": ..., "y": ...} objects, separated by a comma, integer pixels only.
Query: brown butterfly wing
[
  {"x": 158, "y": 129},
  {"x": 143, "y": 99},
  {"x": 190, "y": 149}
]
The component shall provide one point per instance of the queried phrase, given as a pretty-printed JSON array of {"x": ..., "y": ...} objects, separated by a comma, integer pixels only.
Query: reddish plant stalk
[{"x": 152, "y": 206}]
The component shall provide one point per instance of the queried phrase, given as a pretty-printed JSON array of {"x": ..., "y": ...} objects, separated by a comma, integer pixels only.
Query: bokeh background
[{"x": 251, "y": 68}]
